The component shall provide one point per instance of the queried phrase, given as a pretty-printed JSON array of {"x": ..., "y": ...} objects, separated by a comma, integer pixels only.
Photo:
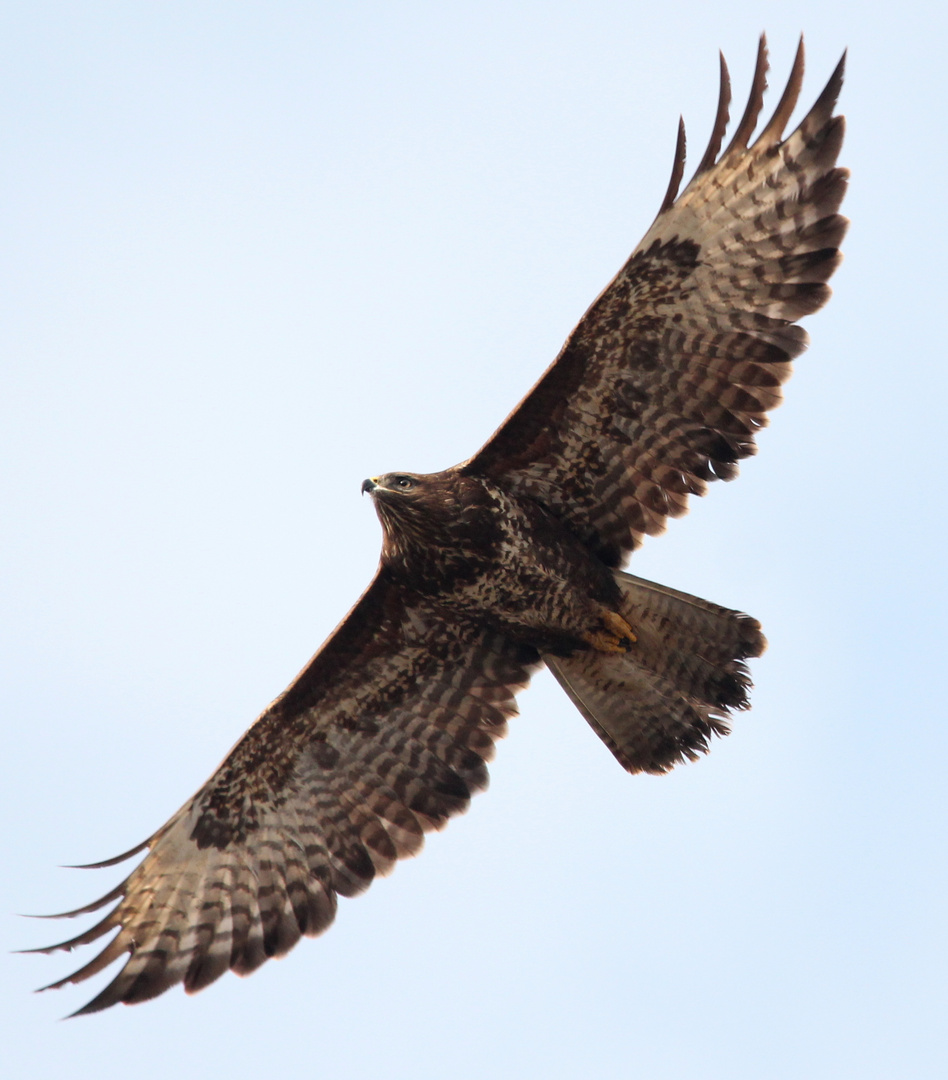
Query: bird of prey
[{"x": 509, "y": 561}]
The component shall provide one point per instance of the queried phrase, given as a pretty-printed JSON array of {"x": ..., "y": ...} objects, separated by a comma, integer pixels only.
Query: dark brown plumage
[{"x": 510, "y": 560}]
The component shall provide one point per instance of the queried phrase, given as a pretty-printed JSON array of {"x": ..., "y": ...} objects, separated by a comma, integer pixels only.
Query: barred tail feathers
[{"x": 659, "y": 703}]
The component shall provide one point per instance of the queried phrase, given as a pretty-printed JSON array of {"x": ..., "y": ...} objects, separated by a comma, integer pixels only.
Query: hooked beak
[{"x": 370, "y": 485}]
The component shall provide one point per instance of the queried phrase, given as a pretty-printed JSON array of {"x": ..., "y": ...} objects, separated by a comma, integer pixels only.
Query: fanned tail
[{"x": 660, "y": 702}]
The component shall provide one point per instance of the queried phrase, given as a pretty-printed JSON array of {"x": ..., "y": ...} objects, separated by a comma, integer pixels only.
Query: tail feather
[{"x": 660, "y": 702}]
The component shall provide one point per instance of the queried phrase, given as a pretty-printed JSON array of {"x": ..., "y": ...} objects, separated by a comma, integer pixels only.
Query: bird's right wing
[{"x": 381, "y": 738}]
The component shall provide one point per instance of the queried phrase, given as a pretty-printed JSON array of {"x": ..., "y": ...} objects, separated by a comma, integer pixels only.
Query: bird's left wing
[
  {"x": 671, "y": 372},
  {"x": 381, "y": 738}
]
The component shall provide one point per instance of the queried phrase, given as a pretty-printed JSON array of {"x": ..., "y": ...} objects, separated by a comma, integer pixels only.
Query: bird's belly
[{"x": 535, "y": 603}]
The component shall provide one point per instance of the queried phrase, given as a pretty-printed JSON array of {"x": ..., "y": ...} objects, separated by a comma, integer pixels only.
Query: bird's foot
[{"x": 615, "y": 635}]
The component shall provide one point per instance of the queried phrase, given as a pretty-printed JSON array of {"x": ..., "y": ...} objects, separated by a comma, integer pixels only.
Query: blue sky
[{"x": 257, "y": 252}]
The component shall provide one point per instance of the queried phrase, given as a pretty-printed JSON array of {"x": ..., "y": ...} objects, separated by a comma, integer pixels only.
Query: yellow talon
[
  {"x": 618, "y": 626},
  {"x": 615, "y": 638}
]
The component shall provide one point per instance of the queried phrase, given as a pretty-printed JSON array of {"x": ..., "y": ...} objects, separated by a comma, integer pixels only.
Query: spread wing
[
  {"x": 664, "y": 382},
  {"x": 381, "y": 738}
]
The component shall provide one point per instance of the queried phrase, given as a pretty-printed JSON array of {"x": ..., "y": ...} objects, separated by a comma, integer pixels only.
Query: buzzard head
[{"x": 423, "y": 514}]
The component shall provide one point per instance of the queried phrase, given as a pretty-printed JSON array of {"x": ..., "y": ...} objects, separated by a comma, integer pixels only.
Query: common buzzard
[{"x": 511, "y": 560}]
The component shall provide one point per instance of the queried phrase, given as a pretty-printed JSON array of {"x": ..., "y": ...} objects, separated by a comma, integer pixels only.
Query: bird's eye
[{"x": 404, "y": 483}]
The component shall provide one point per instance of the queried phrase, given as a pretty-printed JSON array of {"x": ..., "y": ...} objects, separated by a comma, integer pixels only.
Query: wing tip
[
  {"x": 834, "y": 85},
  {"x": 114, "y": 861},
  {"x": 678, "y": 168},
  {"x": 86, "y": 909},
  {"x": 722, "y": 116},
  {"x": 788, "y": 100},
  {"x": 773, "y": 131},
  {"x": 755, "y": 100}
]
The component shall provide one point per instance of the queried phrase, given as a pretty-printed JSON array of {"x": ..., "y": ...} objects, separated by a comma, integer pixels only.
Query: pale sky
[{"x": 256, "y": 252}]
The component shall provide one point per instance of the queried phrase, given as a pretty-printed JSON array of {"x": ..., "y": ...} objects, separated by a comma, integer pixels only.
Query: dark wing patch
[
  {"x": 382, "y": 738},
  {"x": 667, "y": 378}
]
